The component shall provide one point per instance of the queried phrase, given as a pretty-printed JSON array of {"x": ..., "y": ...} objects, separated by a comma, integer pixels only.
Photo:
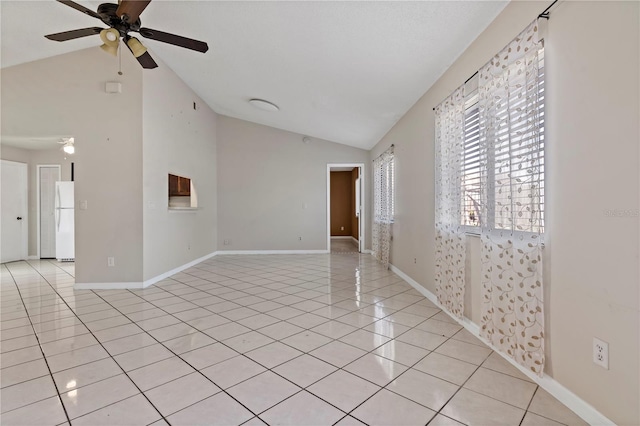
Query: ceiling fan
[{"x": 123, "y": 18}]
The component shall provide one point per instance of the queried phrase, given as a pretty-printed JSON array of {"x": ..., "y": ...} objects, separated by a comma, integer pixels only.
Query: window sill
[
  {"x": 477, "y": 233},
  {"x": 182, "y": 209}
]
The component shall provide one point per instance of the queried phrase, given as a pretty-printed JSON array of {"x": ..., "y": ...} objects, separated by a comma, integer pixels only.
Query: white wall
[
  {"x": 265, "y": 178},
  {"x": 33, "y": 158},
  {"x": 591, "y": 260},
  {"x": 179, "y": 140},
  {"x": 64, "y": 95}
]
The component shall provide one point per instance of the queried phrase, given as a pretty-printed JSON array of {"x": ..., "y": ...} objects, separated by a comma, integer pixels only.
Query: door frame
[
  {"x": 38, "y": 167},
  {"x": 361, "y": 219},
  {"x": 25, "y": 207}
]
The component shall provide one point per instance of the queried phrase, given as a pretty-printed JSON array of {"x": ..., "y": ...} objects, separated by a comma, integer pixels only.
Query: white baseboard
[
  {"x": 355, "y": 240},
  {"x": 227, "y": 252},
  {"x": 108, "y": 286},
  {"x": 32, "y": 257},
  {"x": 137, "y": 284},
  {"x": 341, "y": 237},
  {"x": 174, "y": 271},
  {"x": 579, "y": 406}
]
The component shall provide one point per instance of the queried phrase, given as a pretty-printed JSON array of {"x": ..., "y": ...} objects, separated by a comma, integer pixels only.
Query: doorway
[
  {"x": 345, "y": 207},
  {"x": 15, "y": 221},
  {"x": 47, "y": 176}
]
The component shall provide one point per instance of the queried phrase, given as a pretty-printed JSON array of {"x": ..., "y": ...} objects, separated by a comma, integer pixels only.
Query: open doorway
[
  {"x": 345, "y": 218},
  {"x": 49, "y": 163}
]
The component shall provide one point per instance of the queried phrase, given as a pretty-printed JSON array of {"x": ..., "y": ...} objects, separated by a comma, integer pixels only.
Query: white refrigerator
[{"x": 65, "y": 243}]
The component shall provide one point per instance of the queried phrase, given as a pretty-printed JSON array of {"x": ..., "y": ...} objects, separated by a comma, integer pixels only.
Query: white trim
[
  {"x": 367, "y": 252},
  {"x": 579, "y": 406},
  {"x": 38, "y": 196},
  {"x": 355, "y": 240},
  {"x": 228, "y": 252},
  {"x": 174, "y": 271},
  {"x": 108, "y": 286},
  {"x": 345, "y": 237},
  {"x": 361, "y": 219},
  {"x": 32, "y": 257},
  {"x": 138, "y": 284}
]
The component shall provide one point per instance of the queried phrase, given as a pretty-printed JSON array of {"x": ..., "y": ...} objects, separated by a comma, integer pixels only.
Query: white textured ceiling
[{"x": 342, "y": 71}]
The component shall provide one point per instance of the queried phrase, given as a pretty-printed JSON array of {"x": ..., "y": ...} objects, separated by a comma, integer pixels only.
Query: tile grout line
[
  {"x": 244, "y": 354},
  {"x": 44, "y": 357},
  {"x": 100, "y": 343},
  {"x": 253, "y": 285},
  {"x": 308, "y": 353}
]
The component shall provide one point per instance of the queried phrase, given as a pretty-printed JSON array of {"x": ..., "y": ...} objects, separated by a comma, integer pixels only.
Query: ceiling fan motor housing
[{"x": 107, "y": 12}]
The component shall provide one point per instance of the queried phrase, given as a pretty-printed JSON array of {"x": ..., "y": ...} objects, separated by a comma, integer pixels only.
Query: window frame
[{"x": 471, "y": 108}]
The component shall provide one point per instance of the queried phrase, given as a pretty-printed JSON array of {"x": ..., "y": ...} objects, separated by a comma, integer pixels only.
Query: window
[
  {"x": 505, "y": 151},
  {"x": 470, "y": 192},
  {"x": 384, "y": 188}
]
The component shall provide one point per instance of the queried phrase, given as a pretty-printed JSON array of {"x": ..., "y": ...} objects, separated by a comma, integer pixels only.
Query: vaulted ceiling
[{"x": 344, "y": 71}]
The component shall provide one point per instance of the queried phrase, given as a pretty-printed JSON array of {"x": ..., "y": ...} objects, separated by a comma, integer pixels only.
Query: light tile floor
[
  {"x": 287, "y": 340},
  {"x": 343, "y": 246}
]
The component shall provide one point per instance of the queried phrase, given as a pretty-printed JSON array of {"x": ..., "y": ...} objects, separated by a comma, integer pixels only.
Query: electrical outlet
[
  {"x": 299, "y": 238},
  {"x": 342, "y": 228},
  {"x": 227, "y": 242},
  {"x": 415, "y": 260},
  {"x": 111, "y": 261},
  {"x": 601, "y": 353}
]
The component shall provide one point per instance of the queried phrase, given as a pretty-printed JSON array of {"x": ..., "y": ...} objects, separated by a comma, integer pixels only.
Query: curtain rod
[
  {"x": 544, "y": 14},
  {"x": 392, "y": 145}
]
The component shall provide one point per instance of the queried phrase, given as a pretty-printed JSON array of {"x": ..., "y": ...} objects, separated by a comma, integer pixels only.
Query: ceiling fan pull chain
[{"x": 120, "y": 60}]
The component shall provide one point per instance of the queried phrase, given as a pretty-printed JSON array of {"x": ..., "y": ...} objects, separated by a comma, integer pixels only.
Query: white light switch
[{"x": 83, "y": 205}]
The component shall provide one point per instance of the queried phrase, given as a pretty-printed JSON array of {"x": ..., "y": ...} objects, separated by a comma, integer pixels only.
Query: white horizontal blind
[
  {"x": 515, "y": 145},
  {"x": 471, "y": 168}
]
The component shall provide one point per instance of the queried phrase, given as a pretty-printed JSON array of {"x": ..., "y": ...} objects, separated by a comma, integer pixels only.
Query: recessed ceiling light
[{"x": 264, "y": 105}]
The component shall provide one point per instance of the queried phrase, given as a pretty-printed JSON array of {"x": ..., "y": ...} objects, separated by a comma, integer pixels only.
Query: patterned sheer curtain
[
  {"x": 450, "y": 235},
  {"x": 383, "y": 185},
  {"x": 512, "y": 167}
]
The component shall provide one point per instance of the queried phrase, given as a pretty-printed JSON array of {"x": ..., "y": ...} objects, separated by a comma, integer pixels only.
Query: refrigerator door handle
[{"x": 57, "y": 204}]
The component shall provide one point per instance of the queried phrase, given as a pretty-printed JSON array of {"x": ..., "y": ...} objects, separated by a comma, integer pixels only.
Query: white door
[
  {"x": 14, "y": 221},
  {"x": 48, "y": 176}
]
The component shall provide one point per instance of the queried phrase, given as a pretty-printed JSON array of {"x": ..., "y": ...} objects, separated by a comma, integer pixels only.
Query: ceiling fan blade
[
  {"x": 144, "y": 59},
  {"x": 81, "y": 8},
  {"x": 147, "y": 61},
  {"x": 70, "y": 35},
  {"x": 132, "y": 9},
  {"x": 176, "y": 40}
]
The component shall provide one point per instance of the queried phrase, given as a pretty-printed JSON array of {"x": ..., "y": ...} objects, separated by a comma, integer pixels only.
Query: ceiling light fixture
[
  {"x": 136, "y": 47},
  {"x": 264, "y": 105},
  {"x": 68, "y": 146},
  {"x": 111, "y": 38}
]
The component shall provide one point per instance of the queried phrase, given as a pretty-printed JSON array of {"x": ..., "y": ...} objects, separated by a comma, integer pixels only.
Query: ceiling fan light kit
[
  {"x": 123, "y": 18},
  {"x": 68, "y": 145},
  {"x": 111, "y": 39},
  {"x": 136, "y": 47}
]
